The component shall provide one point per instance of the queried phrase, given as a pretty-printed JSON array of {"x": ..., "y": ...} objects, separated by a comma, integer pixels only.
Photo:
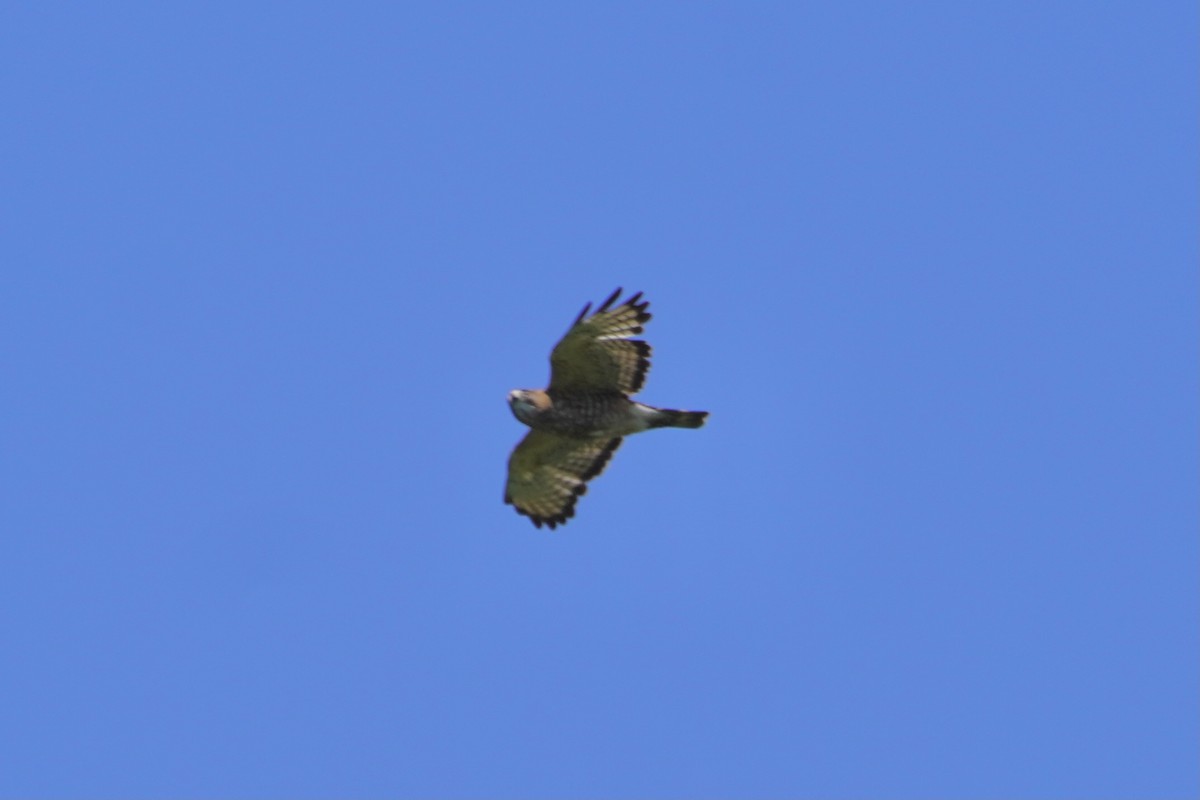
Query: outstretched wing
[
  {"x": 548, "y": 472},
  {"x": 597, "y": 354}
]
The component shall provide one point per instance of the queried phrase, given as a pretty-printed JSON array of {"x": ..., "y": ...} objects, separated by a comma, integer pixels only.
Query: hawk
[{"x": 579, "y": 419}]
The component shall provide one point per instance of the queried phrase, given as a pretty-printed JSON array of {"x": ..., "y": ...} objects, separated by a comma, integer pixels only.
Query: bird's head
[{"x": 527, "y": 404}]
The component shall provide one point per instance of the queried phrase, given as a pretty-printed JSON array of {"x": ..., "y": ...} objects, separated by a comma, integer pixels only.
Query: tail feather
[{"x": 670, "y": 418}]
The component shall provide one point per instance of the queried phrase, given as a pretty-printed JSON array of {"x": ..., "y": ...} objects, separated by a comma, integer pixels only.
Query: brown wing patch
[
  {"x": 547, "y": 473},
  {"x": 596, "y": 354}
]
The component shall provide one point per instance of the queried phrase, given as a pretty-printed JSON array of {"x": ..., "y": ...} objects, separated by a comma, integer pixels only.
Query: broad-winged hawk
[{"x": 578, "y": 421}]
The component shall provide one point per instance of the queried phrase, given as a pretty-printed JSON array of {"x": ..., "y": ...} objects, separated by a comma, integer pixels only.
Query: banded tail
[{"x": 670, "y": 418}]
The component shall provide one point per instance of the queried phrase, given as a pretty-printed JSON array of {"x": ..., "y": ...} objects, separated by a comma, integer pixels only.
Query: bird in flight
[{"x": 578, "y": 420}]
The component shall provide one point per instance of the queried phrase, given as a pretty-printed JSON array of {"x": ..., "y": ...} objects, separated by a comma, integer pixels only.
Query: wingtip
[
  {"x": 611, "y": 299},
  {"x": 587, "y": 307}
]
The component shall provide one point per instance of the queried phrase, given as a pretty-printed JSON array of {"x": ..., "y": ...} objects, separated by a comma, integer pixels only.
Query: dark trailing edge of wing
[
  {"x": 601, "y": 460},
  {"x": 568, "y": 510},
  {"x": 639, "y": 377}
]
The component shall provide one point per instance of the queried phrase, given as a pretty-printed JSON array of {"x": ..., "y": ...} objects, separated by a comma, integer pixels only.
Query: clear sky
[{"x": 270, "y": 269}]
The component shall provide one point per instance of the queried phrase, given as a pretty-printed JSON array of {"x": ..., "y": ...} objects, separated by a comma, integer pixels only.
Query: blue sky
[{"x": 270, "y": 270}]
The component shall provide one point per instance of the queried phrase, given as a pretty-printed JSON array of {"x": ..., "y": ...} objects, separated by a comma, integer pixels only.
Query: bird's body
[
  {"x": 594, "y": 415},
  {"x": 579, "y": 420}
]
